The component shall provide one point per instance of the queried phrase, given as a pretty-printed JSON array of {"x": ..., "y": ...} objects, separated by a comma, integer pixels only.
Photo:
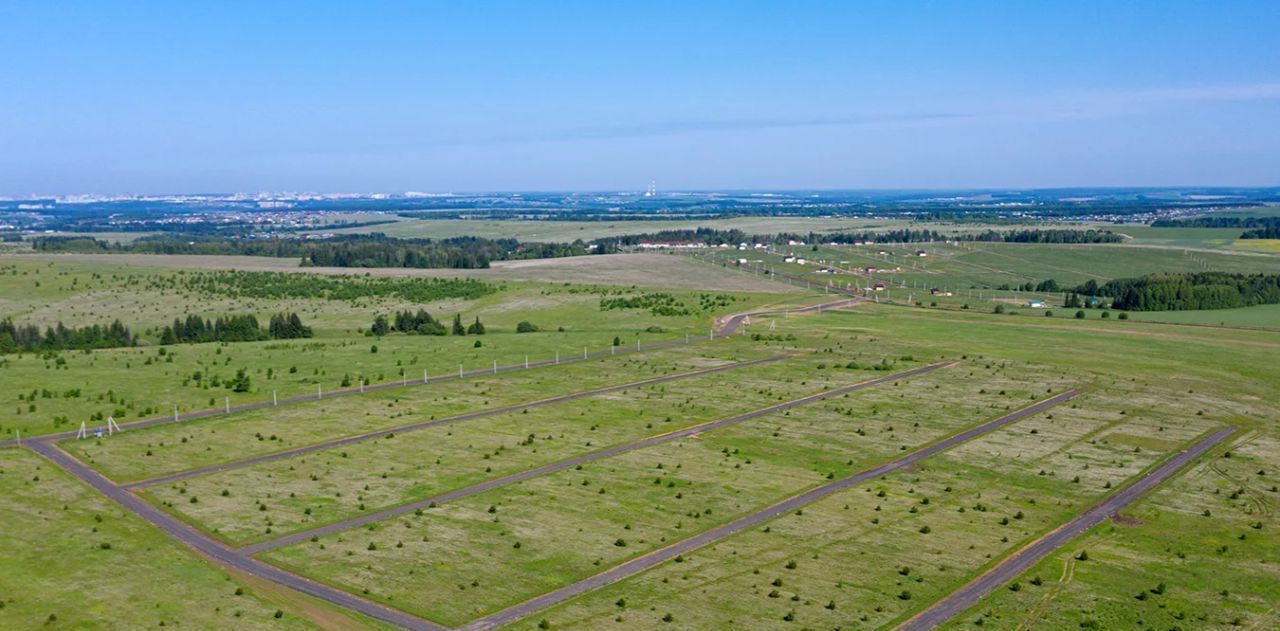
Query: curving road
[
  {"x": 647, "y": 561},
  {"x": 402, "y": 509},
  {"x": 1024, "y": 559},
  {"x": 347, "y": 440}
]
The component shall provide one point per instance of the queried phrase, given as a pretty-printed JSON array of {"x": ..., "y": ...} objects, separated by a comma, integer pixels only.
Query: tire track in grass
[
  {"x": 220, "y": 554},
  {"x": 1016, "y": 564}
]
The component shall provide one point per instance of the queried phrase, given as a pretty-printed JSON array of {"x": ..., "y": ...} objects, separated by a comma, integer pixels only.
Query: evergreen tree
[
  {"x": 241, "y": 381},
  {"x": 476, "y": 327},
  {"x": 379, "y": 327},
  {"x": 457, "y": 325}
]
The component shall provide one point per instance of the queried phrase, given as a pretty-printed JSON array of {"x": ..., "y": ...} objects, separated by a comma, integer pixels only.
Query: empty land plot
[
  {"x": 73, "y": 558},
  {"x": 1201, "y": 552},
  {"x": 859, "y": 559},
  {"x": 169, "y": 448},
  {"x": 1105, "y": 435},
  {"x": 508, "y": 544},
  {"x": 342, "y": 482}
]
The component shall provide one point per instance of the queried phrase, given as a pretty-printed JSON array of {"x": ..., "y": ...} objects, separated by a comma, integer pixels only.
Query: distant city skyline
[{"x": 164, "y": 98}]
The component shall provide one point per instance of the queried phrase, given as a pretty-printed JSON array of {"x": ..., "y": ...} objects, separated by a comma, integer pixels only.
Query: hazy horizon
[{"x": 154, "y": 99}]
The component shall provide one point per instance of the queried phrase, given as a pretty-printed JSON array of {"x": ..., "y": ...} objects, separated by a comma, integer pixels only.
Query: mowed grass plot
[
  {"x": 1137, "y": 410},
  {"x": 1201, "y": 552},
  {"x": 869, "y": 556},
  {"x": 254, "y": 503},
  {"x": 73, "y": 559},
  {"x": 548, "y": 531},
  {"x": 168, "y": 448}
]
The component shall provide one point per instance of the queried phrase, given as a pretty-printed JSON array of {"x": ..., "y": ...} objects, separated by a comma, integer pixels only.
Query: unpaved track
[
  {"x": 647, "y": 561},
  {"x": 377, "y": 516},
  {"x": 1024, "y": 559},
  {"x": 219, "y": 553},
  {"x": 347, "y": 440}
]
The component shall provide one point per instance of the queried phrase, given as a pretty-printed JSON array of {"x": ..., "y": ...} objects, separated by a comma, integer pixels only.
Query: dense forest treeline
[
  {"x": 1258, "y": 227},
  {"x": 1271, "y": 232},
  {"x": 372, "y": 250},
  {"x": 1215, "y": 221},
  {"x": 713, "y": 237},
  {"x": 236, "y": 328},
  {"x": 26, "y": 338},
  {"x": 1177, "y": 292},
  {"x": 1035, "y": 235}
]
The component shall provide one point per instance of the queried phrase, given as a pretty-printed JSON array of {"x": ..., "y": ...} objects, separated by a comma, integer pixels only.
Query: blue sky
[{"x": 463, "y": 96}]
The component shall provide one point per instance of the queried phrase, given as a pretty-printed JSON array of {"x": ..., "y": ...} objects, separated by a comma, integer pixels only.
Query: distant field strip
[
  {"x": 1022, "y": 560},
  {"x": 301, "y": 536},
  {"x": 648, "y": 561},
  {"x": 182, "y": 475}
]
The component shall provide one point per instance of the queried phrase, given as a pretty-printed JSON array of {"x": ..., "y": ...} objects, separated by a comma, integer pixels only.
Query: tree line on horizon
[
  {"x": 714, "y": 237},
  {"x": 1258, "y": 227},
  {"x": 371, "y": 250}
]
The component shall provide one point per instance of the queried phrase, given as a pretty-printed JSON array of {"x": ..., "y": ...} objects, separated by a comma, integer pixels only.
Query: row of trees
[
  {"x": 235, "y": 328},
  {"x": 372, "y": 250},
  {"x": 1216, "y": 221},
  {"x": 25, "y": 338},
  {"x": 1174, "y": 292},
  {"x": 422, "y": 323},
  {"x": 710, "y": 236},
  {"x": 1049, "y": 286},
  {"x": 1271, "y": 232}
]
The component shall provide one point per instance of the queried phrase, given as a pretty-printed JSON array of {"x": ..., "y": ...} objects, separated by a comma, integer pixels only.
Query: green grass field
[
  {"x": 73, "y": 559},
  {"x": 623, "y": 506},
  {"x": 47, "y": 392},
  {"x": 1199, "y": 552}
]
